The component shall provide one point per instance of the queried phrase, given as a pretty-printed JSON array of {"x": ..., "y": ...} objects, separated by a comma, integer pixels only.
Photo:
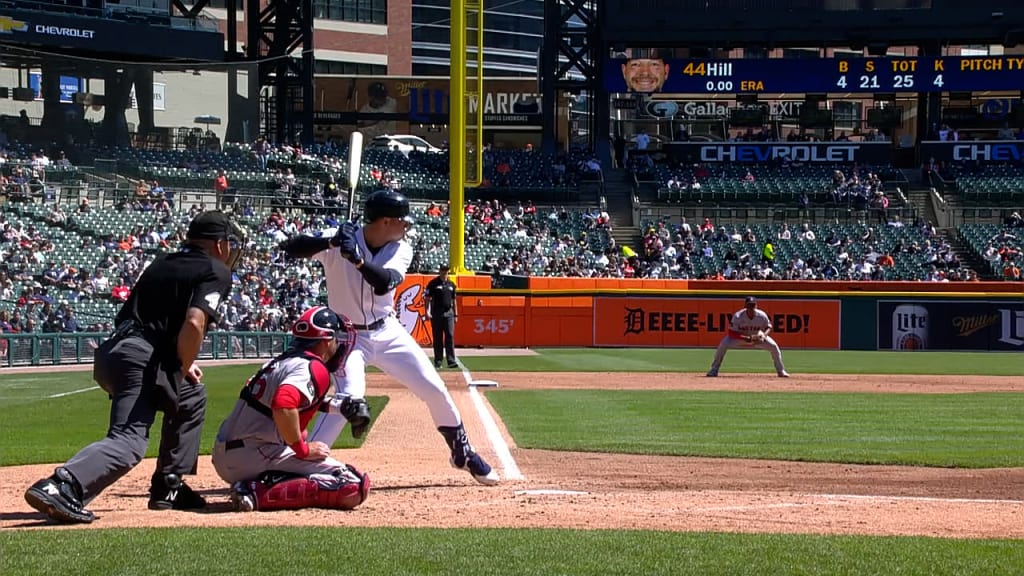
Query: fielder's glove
[
  {"x": 760, "y": 336},
  {"x": 345, "y": 240}
]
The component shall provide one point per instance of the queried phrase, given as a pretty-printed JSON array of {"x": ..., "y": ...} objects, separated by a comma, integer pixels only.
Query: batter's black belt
[
  {"x": 371, "y": 327},
  {"x": 234, "y": 444}
]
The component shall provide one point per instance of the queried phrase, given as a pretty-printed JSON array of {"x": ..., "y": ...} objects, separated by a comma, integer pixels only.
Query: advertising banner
[
  {"x": 976, "y": 151},
  {"x": 945, "y": 325},
  {"x": 875, "y": 153},
  {"x": 690, "y": 322},
  {"x": 388, "y": 104},
  {"x": 110, "y": 35},
  {"x": 69, "y": 85}
]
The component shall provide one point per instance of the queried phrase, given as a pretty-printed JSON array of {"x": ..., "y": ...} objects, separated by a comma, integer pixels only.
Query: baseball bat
[{"x": 355, "y": 161}]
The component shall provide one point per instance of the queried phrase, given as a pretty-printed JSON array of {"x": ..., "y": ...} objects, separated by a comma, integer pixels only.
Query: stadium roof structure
[
  {"x": 33, "y": 32},
  {"x": 801, "y": 23}
]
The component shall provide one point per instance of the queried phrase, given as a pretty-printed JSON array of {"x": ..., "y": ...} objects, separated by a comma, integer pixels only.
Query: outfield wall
[{"x": 680, "y": 313}]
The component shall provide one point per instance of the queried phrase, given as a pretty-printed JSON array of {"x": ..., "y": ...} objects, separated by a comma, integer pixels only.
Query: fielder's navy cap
[
  {"x": 210, "y": 225},
  {"x": 750, "y": 300}
]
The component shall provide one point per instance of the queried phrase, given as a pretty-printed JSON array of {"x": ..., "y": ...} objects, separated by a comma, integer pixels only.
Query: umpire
[
  {"x": 442, "y": 313},
  {"x": 146, "y": 366}
]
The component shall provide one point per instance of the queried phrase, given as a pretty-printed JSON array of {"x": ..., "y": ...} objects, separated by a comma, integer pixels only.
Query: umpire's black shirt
[
  {"x": 167, "y": 289},
  {"x": 441, "y": 292}
]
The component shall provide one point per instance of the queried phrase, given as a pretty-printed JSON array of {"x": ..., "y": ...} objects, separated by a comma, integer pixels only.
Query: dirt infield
[{"x": 413, "y": 485}]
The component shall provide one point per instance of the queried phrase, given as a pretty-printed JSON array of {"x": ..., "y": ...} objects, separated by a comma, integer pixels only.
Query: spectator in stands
[
  {"x": 768, "y": 254},
  {"x": 642, "y": 140},
  {"x": 806, "y": 234},
  {"x": 930, "y": 172},
  {"x": 1014, "y": 220},
  {"x": 619, "y": 146},
  {"x": 223, "y": 191},
  {"x": 1011, "y": 271}
]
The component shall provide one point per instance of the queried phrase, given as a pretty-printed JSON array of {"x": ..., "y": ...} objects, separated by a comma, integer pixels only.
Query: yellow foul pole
[{"x": 465, "y": 130}]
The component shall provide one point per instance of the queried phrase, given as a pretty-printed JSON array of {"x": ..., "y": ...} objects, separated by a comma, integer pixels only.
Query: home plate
[
  {"x": 550, "y": 493},
  {"x": 484, "y": 383}
]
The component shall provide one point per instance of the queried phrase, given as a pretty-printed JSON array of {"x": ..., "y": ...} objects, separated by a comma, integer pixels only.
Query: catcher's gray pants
[
  {"x": 730, "y": 342},
  {"x": 241, "y": 461},
  {"x": 129, "y": 369}
]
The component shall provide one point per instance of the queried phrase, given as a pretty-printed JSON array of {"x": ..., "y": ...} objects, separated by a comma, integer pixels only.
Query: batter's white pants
[
  {"x": 396, "y": 352},
  {"x": 730, "y": 342}
]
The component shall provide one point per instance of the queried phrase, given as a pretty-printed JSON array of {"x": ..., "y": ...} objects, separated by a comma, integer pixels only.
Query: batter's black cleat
[
  {"x": 169, "y": 492},
  {"x": 59, "y": 498}
]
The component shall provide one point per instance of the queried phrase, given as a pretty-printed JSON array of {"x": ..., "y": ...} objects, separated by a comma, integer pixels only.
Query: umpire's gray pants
[{"x": 129, "y": 370}]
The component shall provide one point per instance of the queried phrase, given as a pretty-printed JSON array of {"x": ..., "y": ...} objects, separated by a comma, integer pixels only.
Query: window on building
[
  {"x": 349, "y": 68},
  {"x": 218, "y": 4},
  {"x": 846, "y": 114},
  {"x": 364, "y": 11},
  {"x": 806, "y": 53}
]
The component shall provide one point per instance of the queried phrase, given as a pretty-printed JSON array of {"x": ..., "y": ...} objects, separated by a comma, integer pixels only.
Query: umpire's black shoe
[
  {"x": 169, "y": 492},
  {"x": 437, "y": 363},
  {"x": 59, "y": 498},
  {"x": 453, "y": 364}
]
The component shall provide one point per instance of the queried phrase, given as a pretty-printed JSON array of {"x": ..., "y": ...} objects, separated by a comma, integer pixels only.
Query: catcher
[
  {"x": 261, "y": 447},
  {"x": 749, "y": 328}
]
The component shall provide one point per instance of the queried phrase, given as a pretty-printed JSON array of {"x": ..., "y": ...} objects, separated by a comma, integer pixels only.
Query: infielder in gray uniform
[{"x": 749, "y": 328}]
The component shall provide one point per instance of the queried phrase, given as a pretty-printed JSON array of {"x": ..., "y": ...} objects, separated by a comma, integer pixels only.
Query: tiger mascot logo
[{"x": 412, "y": 312}]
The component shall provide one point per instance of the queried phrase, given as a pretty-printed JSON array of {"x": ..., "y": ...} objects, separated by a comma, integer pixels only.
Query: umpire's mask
[
  {"x": 216, "y": 225},
  {"x": 236, "y": 240}
]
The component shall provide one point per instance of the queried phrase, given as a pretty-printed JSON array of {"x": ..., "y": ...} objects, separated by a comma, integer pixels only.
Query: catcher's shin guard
[{"x": 342, "y": 491}]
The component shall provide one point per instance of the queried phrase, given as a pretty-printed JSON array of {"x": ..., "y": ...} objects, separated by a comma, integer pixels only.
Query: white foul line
[
  {"x": 921, "y": 499},
  {"x": 837, "y": 500},
  {"x": 491, "y": 428},
  {"x": 62, "y": 394}
]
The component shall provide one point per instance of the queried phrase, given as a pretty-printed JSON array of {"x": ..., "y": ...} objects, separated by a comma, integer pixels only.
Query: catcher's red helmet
[
  {"x": 318, "y": 323},
  {"x": 322, "y": 323}
]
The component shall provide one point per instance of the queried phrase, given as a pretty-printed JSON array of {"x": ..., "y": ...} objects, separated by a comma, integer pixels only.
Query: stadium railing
[{"x": 67, "y": 348}]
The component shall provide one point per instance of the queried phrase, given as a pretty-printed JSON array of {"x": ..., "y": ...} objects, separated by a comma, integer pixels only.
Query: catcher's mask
[{"x": 321, "y": 323}]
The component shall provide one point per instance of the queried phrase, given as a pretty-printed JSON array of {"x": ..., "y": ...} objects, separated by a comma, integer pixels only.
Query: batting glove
[{"x": 346, "y": 242}]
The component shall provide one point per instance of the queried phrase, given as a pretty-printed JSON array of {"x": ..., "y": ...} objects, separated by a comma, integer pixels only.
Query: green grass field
[
  {"x": 326, "y": 551},
  {"x": 797, "y": 361},
  {"x": 964, "y": 430}
]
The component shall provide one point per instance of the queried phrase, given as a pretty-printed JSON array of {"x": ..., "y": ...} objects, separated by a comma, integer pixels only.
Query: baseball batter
[
  {"x": 749, "y": 328},
  {"x": 261, "y": 447},
  {"x": 363, "y": 267}
]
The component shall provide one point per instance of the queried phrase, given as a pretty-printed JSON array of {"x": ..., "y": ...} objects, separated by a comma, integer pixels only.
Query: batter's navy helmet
[{"x": 387, "y": 204}]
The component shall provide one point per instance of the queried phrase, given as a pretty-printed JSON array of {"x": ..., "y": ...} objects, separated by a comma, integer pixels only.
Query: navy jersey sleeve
[{"x": 212, "y": 289}]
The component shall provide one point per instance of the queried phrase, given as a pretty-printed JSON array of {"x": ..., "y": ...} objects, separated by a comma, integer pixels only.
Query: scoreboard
[{"x": 817, "y": 76}]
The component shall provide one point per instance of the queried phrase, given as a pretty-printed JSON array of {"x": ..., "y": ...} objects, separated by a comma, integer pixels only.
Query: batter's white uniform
[
  {"x": 248, "y": 442},
  {"x": 742, "y": 325},
  {"x": 386, "y": 344}
]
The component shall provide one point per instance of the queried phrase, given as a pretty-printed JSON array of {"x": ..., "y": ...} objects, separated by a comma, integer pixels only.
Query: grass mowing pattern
[
  {"x": 212, "y": 552},
  {"x": 797, "y": 361},
  {"x": 53, "y": 429},
  {"x": 962, "y": 430}
]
